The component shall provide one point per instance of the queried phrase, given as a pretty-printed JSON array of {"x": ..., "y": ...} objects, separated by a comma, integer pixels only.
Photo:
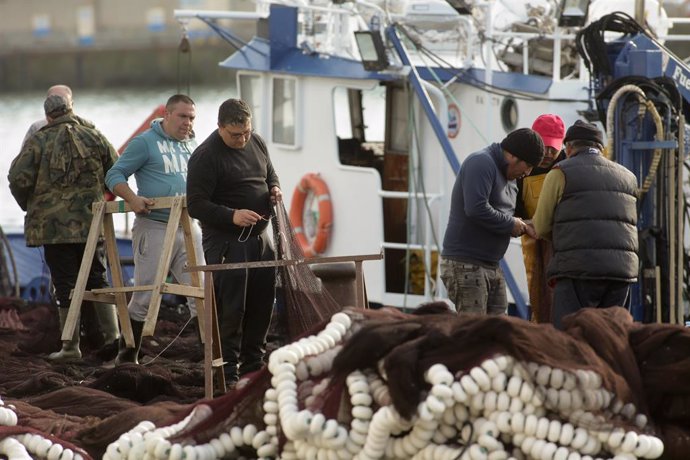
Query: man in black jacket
[
  {"x": 231, "y": 187},
  {"x": 588, "y": 208}
]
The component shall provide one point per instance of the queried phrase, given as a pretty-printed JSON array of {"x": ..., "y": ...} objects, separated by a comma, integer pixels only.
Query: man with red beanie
[{"x": 537, "y": 253}]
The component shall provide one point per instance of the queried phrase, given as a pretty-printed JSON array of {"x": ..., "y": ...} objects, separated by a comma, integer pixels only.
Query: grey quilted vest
[{"x": 595, "y": 223}]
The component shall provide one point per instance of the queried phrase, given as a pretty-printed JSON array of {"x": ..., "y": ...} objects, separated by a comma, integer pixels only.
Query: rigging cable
[
  {"x": 471, "y": 80},
  {"x": 445, "y": 89},
  {"x": 643, "y": 101},
  {"x": 591, "y": 44}
]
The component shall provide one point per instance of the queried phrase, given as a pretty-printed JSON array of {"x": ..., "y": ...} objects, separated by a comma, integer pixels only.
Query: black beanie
[
  {"x": 525, "y": 144},
  {"x": 583, "y": 131}
]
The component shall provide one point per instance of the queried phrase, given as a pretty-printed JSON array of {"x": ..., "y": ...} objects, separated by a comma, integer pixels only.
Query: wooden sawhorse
[
  {"x": 102, "y": 224},
  {"x": 212, "y": 343}
]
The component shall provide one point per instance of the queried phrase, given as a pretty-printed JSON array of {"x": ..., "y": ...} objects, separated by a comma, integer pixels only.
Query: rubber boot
[
  {"x": 130, "y": 355},
  {"x": 70, "y": 348},
  {"x": 107, "y": 322}
]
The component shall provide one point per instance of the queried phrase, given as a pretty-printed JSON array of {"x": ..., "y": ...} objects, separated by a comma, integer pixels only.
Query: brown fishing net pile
[
  {"x": 644, "y": 366},
  {"x": 91, "y": 403}
]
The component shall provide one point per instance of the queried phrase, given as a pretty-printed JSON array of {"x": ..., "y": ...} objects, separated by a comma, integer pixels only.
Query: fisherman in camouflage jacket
[{"x": 56, "y": 177}]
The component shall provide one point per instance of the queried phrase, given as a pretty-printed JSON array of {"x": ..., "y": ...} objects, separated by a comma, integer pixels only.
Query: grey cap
[{"x": 56, "y": 105}]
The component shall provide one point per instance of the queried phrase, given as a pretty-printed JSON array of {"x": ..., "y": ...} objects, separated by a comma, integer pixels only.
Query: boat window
[
  {"x": 250, "y": 92},
  {"x": 398, "y": 127},
  {"x": 284, "y": 110},
  {"x": 359, "y": 125}
]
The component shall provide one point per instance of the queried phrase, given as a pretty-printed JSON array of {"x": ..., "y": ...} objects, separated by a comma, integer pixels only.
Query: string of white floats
[
  {"x": 545, "y": 413},
  {"x": 29, "y": 446}
]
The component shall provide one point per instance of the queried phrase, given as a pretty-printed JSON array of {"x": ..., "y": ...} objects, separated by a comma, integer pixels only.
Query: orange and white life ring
[{"x": 312, "y": 183}]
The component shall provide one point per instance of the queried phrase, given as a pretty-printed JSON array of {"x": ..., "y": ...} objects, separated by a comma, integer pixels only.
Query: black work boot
[{"x": 130, "y": 355}]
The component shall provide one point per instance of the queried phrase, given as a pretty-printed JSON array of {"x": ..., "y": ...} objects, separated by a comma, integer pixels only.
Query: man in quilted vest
[{"x": 588, "y": 208}]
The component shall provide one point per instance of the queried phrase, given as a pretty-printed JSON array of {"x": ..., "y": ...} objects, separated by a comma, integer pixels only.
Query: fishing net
[
  {"x": 383, "y": 384},
  {"x": 46, "y": 405},
  {"x": 304, "y": 307},
  {"x": 305, "y": 301},
  {"x": 92, "y": 405},
  {"x": 366, "y": 384}
]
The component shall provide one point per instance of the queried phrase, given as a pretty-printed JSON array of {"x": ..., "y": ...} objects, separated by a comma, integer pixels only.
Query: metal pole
[
  {"x": 415, "y": 82},
  {"x": 639, "y": 12}
]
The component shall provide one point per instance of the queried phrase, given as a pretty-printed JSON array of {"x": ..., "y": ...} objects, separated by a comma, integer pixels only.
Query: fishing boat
[{"x": 369, "y": 109}]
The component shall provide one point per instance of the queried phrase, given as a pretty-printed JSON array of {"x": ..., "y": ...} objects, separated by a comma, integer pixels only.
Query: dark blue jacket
[{"x": 481, "y": 209}]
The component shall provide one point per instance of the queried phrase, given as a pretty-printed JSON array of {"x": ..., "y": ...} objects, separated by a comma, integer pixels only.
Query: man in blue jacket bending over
[
  {"x": 158, "y": 159},
  {"x": 481, "y": 222}
]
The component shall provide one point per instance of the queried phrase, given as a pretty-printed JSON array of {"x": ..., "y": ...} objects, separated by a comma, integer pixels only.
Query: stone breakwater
[{"x": 155, "y": 65}]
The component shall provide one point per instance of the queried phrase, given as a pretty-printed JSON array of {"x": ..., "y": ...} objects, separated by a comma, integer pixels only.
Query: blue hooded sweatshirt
[{"x": 159, "y": 165}]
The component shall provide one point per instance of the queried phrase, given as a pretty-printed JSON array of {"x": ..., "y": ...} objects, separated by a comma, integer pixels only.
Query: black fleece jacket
[{"x": 221, "y": 179}]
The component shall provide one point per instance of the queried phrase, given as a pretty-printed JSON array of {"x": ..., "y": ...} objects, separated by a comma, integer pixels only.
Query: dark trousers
[
  {"x": 244, "y": 300},
  {"x": 64, "y": 261},
  {"x": 569, "y": 295}
]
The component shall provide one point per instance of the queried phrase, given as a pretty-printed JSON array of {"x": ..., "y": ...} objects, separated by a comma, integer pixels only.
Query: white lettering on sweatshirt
[{"x": 174, "y": 161}]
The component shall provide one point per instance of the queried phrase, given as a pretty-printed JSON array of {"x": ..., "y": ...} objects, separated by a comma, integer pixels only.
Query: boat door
[
  {"x": 395, "y": 179},
  {"x": 379, "y": 135}
]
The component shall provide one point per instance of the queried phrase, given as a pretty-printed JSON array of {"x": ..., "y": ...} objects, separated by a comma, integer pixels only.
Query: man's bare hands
[
  {"x": 518, "y": 227},
  {"x": 276, "y": 194},
  {"x": 140, "y": 204},
  {"x": 245, "y": 217},
  {"x": 521, "y": 227}
]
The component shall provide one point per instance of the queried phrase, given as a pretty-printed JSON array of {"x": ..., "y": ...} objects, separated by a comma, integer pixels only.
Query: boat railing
[
  {"x": 218, "y": 14},
  {"x": 561, "y": 36},
  {"x": 411, "y": 246},
  {"x": 430, "y": 197},
  {"x": 557, "y": 39},
  {"x": 329, "y": 30}
]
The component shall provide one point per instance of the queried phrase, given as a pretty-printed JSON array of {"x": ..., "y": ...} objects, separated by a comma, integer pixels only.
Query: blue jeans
[{"x": 570, "y": 295}]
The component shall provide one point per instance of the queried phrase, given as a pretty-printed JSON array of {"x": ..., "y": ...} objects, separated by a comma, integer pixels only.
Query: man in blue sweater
[
  {"x": 481, "y": 222},
  {"x": 158, "y": 159}
]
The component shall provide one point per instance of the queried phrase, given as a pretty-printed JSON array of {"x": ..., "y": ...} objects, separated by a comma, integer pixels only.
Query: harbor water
[{"x": 117, "y": 113}]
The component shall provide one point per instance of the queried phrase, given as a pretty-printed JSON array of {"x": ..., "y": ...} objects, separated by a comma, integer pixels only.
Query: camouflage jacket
[{"x": 57, "y": 176}]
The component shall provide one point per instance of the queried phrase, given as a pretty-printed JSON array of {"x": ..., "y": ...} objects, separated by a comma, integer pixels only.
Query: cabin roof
[{"x": 258, "y": 56}]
